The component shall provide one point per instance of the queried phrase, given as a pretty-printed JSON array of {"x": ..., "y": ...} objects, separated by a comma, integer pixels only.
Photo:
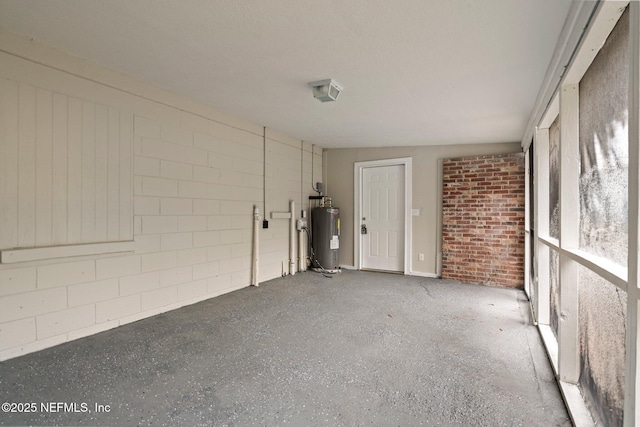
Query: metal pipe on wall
[
  {"x": 256, "y": 241},
  {"x": 292, "y": 238},
  {"x": 302, "y": 256}
]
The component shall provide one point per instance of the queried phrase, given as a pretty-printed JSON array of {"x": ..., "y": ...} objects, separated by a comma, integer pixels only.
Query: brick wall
[{"x": 483, "y": 220}]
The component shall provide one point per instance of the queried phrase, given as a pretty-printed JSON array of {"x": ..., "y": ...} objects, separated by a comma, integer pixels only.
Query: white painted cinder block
[
  {"x": 173, "y": 206},
  {"x": 238, "y": 193},
  {"x": 236, "y": 208},
  {"x": 137, "y": 145},
  {"x": 189, "y": 189},
  {"x": 66, "y": 273},
  {"x": 139, "y": 283},
  {"x": 147, "y": 243},
  {"x": 146, "y": 127},
  {"x": 242, "y": 151},
  {"x": 232, "y": 133},
  {"x": 20, "y": 306},
  {"x": 231, "y": 177},
  {"x": 173, "y": 152},
  {"x": 52, "y": 324},
  {"x": 252, "y": 181},
  {"x": 145, "y": 166},
  {"x": 142, "y": 315},
  {"x": 192, "y": 289},
  {"x": 249, "y": 166},
  {"x": 194, "y": 122},
  {"x": 137, "y": 185},
  {"x": 32, "y": 347},
  {"x": 159, "y": 261},
  {"x": 208, "y": 269},
  {"x": 90, "y": 330},
  {"x": 222, "y": 252},
  {"x": 16, "y": 280},
  {"x": 241, "y": 249},
  {"x": 175, "y": 276},
  {"x": 18, "y": 333},
  {"x": 159, "y": 224},
  {"x": 176, "y": 241},
  {"x": 192, "y": 189},
  {"x": 192, "y": 256},
  {"x": 222, "y": 192},
  {"x": 206, "y": 174},
  {"x": 230, "y": 236},
  {"x": 242, "y": 222},
  {"x": 192, "y": 223},
  {"x": 246, "y": 263},
  {"x": 137, "y": 225},
  {"x": 230, "y": 265},
  {"x": 159, "y": 187},
  {"x": 146, "y": 205},
  {"x": 176, "y": 135},
  {"x": 219, "y": 222},
  {"x": 206, "y": 207},
  {"x": 206, "y": 238},
  {"x": 159, "y": 297},
  {"x": 117, "y": 266},
  {"x": 269, "y": 271},
  {"x": 117, "y": 308},
  {"x": 92, "y": 292},
  {"x": 241, "y": 278},
  {"x": 175, "y": 170},
  {"x": 250, "y": 194},
  {"x": 206, "y": 142},
  {"x": 220, "y": 161},
  {"x": 217, "y": 285}
]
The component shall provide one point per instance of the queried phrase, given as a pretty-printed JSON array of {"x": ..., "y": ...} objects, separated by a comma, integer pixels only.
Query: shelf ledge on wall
[{"x": 8, "y": 256}]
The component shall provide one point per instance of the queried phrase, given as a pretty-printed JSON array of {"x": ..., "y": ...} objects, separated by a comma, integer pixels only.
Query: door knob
[{"x": 363, "y": 229}]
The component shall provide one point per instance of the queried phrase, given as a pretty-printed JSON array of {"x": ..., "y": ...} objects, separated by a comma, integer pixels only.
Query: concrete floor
[{"x": 358, "y": 349}]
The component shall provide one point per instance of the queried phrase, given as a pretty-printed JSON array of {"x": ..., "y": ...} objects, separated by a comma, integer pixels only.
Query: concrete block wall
[
  {"x": 483, "y": 220},
  {"x": 194, "y": 176}
]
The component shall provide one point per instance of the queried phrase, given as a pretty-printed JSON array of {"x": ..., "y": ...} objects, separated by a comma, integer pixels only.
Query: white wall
[{"x": 88, "y": 155}]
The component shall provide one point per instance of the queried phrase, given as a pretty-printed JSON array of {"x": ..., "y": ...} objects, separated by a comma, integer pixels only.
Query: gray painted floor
[{"x": 358, "y": 349}]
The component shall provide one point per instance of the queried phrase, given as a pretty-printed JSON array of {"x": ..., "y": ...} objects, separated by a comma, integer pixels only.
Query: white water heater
[{"x": 325, "y": 237}]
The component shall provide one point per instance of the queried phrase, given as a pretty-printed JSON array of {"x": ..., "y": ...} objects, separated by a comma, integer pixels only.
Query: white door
[{"x": 382, "y": 222}]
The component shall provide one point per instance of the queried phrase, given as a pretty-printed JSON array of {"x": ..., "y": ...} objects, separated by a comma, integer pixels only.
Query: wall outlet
[
  {"x": 420, "y": 257},
  {"x": 301, "y": 224}
]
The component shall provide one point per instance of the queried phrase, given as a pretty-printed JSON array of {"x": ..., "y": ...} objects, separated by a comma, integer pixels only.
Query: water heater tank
[{"x": 325, "y": 237}]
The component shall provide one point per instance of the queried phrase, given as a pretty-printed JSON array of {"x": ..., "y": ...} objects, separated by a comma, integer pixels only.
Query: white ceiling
[{"x": 414, "y": 72}]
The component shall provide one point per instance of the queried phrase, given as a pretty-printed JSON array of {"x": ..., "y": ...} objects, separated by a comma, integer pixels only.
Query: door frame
[{"x": 357, "y": 206}]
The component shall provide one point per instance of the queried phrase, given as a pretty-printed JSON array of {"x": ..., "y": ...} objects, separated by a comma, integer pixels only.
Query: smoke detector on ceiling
[{"x": 326, "y": 90}]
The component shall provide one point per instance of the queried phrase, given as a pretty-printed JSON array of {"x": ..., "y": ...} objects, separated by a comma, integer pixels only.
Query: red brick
[{"x": 483, "y": 241}]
